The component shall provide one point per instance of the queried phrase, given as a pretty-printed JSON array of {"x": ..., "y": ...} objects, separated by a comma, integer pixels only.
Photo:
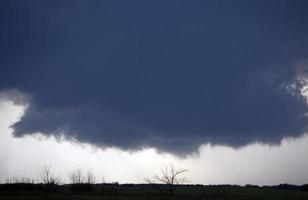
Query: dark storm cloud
[{"x": 165, "y": 74}]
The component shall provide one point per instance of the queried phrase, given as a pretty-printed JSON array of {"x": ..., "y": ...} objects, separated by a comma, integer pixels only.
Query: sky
[{"x": 217, "y": 87}]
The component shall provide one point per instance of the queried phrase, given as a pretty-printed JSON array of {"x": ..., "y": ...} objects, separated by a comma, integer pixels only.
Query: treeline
[
  {"x": 48, "y": 177},
  {"x": 165, "y": 183},
  {"x": 102, "y": 188},
  {"x": 49, "y": 182}
]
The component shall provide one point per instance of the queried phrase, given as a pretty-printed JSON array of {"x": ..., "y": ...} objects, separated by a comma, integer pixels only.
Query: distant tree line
[
  {"x": 80, "y": 181},
  {"x": 165, "y": 183}
]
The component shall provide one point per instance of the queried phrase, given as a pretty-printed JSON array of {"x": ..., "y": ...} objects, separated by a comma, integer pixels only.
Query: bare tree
[
  {"x": 76, "y": 176},
  {"x": 48, "y": 177},
  {"x": 19, "y": 180},
  {"x": 170, "y": 176},
  {"x": 90, "y": 178}
]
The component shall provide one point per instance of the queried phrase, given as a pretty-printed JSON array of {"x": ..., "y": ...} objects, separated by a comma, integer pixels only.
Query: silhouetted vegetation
[
  {"x": 168, "y": 181},
  {"x": 167, "y": 185},
  {"x": 82, "y": 183},
  {"x": 19, "y": 180},
  {"x": 49, "y": 180}
]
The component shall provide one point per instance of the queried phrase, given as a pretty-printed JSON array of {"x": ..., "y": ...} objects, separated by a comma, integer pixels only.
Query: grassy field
[{"x": 140, "y": 192}]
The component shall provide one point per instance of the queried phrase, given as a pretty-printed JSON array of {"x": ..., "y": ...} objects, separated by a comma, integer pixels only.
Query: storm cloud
[{"x": 165, "y": 74}]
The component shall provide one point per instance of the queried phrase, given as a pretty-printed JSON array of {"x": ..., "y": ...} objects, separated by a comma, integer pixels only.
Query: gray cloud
[{"x": 155, "y": 74}]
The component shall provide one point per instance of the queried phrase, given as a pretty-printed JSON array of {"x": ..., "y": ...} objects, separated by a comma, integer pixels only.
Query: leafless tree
[
  {"x": 170, "y": 176},
  {"x": 19, "y": 180},
  {"x": 90, "y": 177},
  {"x": 48, "y": 177},
  {"x": 76, "y": 176}
]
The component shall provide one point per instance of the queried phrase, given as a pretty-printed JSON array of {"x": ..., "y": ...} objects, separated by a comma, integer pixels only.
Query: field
[{"x": 144, "y": 191}]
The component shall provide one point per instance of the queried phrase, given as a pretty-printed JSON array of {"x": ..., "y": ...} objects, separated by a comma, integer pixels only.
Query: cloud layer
[{"x": 168, "y": 75}]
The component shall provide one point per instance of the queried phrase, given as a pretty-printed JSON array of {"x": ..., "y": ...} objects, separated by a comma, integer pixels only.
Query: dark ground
[{"x": 145, "y": 191}]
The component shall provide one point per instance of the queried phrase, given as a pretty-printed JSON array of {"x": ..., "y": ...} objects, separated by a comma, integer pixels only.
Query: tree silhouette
[
  {"x": 48, "y": 177},
  {"x": 170, "y": 177},
  {"x": 76, "y": 176}
]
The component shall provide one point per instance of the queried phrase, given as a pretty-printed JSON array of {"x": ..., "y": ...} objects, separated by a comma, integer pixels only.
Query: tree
[
  {"x": 80, "y": 182},
  {"x": 90, "y": 178},
  {"x": 171, "y": 177},
  {"x": 76, "y": 176},
  {"x": 19, "y": 180},
  {"x": 48, "y": 177}
]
